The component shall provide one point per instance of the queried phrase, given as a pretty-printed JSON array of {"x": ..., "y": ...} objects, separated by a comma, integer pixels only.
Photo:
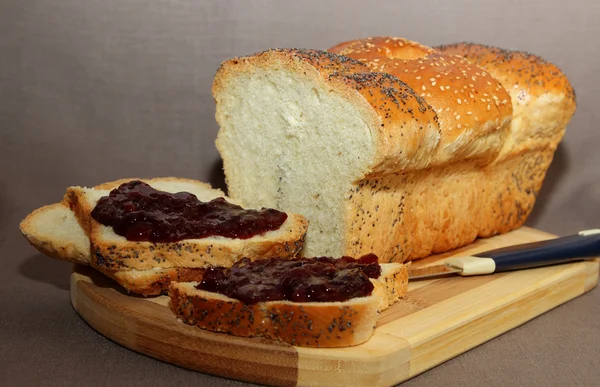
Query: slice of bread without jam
[
  {"x": 307, "y": 324},
  {"x": 113, "y": 252}
]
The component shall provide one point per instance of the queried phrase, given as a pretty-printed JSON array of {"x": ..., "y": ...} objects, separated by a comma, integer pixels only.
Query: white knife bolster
[
  {"x": 589, "y": 232},
  {"x": 472, "y": 265}
]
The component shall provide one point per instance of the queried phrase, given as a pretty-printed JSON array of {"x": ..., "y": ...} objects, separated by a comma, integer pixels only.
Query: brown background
[{"x": 91, "y": 91}]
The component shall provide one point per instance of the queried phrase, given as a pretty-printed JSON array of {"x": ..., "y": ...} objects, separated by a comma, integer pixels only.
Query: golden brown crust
[
  {"x": 531, "y": 74},
  {"x": 543, "y": 104},
  {"x": 473, "y": 108},
  {"x": 302, "y": 324},
  {"x": 534, "y": 84}
]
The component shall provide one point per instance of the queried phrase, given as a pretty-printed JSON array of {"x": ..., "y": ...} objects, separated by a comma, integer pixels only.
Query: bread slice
[
  {"x": 309, "y": 324},
  {"x": 53, "y": 230},
  {"x": 112, "y": 252}
]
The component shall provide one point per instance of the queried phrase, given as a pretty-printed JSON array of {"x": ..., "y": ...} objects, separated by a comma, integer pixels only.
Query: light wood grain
[{"x": 437, "y": 320}]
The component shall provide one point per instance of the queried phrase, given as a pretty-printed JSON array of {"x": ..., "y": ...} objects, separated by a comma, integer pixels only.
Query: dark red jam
[
  {"x": 319, "y": 279},
  {"x": 139, "y": 212}
]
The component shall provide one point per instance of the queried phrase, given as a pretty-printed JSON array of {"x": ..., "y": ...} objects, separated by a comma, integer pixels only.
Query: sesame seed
[
  {"x": 418, "y": 77},
  {"x": 488, "y": 107},
  {"x": 458, "y": 117},
  {"x": 459, "y": 101},
  {"x": 441, "y": 87},
  {"x": 469, "y": 113},
  {"x": 423, "y": 87},
  {"x": 459, "y": 125}
]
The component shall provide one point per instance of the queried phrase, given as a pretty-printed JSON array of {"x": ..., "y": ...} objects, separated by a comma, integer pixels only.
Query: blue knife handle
[{"x": 544, "y": 253}]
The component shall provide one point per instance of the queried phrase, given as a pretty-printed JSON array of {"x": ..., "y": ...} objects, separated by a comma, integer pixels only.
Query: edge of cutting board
[{"x": 410, "y": 337}]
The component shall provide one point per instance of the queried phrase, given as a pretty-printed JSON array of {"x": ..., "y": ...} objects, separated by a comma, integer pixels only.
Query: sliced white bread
[
  {"x": 113, "y": 252},
  {"x": 307, "y": 324},
  {"x": 54, "y": 230}
]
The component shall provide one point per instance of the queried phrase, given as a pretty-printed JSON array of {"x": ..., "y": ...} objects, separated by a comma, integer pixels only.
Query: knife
[{"x": 577, "y": 247}]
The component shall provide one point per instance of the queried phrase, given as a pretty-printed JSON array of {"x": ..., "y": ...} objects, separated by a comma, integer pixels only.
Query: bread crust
[
  {"x": 543, "y": 104},
  {"x": 530, "y": 80},
  {"x": 473, "y": 108}
]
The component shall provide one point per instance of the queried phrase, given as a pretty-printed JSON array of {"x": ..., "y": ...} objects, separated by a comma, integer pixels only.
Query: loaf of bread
[
  {"x": 307, "y": 324},
  {"x": 73, "y": 236},
  {"x": 388, "y": 146}
]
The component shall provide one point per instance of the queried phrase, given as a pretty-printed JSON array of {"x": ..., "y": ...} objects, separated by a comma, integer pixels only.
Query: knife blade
[{"x": 583, "y": 245}]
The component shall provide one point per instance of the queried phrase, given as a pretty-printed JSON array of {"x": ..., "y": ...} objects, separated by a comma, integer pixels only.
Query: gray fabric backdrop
[{"x": 91, "y": 91}]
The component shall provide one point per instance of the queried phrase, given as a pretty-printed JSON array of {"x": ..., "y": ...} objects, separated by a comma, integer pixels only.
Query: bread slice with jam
[
  {"x": 110, "y": 251},
  {"x": 65, "y": 233},
  {"x": 323, "y": 324}
]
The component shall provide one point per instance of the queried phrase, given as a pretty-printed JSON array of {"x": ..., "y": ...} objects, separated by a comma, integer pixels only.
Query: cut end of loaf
[{"x": 311, "y": 169}]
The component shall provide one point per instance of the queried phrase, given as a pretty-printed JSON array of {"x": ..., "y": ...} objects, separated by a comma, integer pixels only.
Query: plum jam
[
  {"x": 139, "y": 212},
  {"x": 319, "y": 279}
]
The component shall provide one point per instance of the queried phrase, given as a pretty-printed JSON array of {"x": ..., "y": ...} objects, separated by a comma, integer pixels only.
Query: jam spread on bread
[
  {"x": 139, "y": 212},
  {"x": 320, "y": 279}
]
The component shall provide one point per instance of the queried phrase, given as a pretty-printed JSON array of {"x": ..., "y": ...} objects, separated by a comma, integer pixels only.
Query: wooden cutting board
[{"x": 437, "y": 320}]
